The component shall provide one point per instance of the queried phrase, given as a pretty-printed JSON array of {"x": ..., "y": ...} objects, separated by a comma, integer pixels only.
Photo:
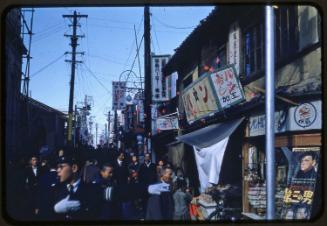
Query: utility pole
[
  {"x": 74, "y": 38},
  {"x": 96, "y": 134},
  {"x": 75, "y": 125},
  {"x": 115, "y": 127},
  {"x": 109, "y": 121},
  {"x": 147, "y": 72}
]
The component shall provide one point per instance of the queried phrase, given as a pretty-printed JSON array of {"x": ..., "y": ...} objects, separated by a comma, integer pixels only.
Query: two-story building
[{"x": 221, "y": 88}]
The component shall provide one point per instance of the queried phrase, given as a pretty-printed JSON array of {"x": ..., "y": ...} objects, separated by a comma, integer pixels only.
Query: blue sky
[{"x": 109, "y": 47}]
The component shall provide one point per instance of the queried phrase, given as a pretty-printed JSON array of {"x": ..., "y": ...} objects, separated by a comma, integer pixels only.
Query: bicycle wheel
[{"x": 214, "y": 215}]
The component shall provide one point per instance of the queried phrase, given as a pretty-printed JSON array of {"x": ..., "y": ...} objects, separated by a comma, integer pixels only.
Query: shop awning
[{"x": 210, "y": 135}]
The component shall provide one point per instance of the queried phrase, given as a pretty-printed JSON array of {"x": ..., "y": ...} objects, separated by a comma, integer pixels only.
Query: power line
[
  {"x": 48, "y": 34},
  {"x": 133, "y": 43},
  {"x": 49, "y": 28},
  {"x": 106, "y": 59},
  {"x": 171, "y": 26},
  {"x": 155, "y": 34},
  {"x": 46, "y": 66},
  {"x": 110, "y": 20},
  {"x": 96, "y": 78}
]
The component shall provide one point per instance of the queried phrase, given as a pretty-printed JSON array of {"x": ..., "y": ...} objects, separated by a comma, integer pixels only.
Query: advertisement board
[
  {"x": 119, "y": 95},
  {"x": 227, "y": 87},
  {"x": 160, "y": 83},
  {"x": 199, "y": 100},
  {"x": 299, "y": 194},
  {"x": 306, "y": 116},
  {"x": 212, "y": 92},
  {"x": 167, "y": 123},
  {"x": 234, "y": 46}
]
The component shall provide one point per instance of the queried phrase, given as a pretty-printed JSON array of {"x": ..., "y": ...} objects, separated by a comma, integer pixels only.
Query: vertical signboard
[
  {"x": 173, "y": 84},
  {"x": 227, "y": 87},
  {"x": 234, "y": 46},
  {"x": 119, "y": 93},
  {"x": 160, "y": 83},
  {"x": 299, "y": 194}
]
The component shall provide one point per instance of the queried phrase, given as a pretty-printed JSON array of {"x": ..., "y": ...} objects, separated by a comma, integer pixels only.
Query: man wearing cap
[{"x": 74, "y": 199}]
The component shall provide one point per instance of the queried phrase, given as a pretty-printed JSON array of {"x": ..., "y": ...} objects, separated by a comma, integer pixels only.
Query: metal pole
[
  {"x": 270, "y": 111},
  {"x": 75, "y": 125},
  {"x": 147, "y": 72},
  {"x": 109, "y": 114}
]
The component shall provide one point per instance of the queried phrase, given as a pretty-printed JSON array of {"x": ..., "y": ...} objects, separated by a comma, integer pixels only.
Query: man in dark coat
[
  {"x": 147, "y": 176},
  {"x": 161, "y": 204},
  {"x": 73, "y": 199},
  {"x": 148, "y": 172},
  {"x": 32, "y": 175},
  {"x": 109, "y": 209},
  {"x": 48, "y": 181},
  {"x": 134, "y": 165},
  {"x": 121, "y": 169}
]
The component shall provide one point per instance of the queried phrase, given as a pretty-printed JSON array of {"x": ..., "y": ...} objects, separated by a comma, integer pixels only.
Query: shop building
[{"x": 220, "y": 68}]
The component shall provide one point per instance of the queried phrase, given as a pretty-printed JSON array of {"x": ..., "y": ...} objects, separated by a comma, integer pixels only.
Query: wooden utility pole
[
  {"x": 96, "y": 134},
  {"x": 74, "y": 38},
  {"x": 147, "y": 72},
  {"x": 109, "y": 121}
]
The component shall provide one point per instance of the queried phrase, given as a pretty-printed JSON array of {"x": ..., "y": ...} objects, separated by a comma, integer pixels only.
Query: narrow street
[{"x": 161, "y": 113}]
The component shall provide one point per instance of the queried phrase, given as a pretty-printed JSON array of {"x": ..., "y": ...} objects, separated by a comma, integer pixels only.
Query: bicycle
[{"x": 224, "y": 211}]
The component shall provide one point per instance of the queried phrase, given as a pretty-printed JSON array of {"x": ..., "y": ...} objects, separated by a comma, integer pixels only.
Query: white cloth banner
[{"x": 209, "y": 161}]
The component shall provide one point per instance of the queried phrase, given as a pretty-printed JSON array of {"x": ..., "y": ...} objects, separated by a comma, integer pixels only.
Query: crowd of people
[{"x": 69, "y": 185}]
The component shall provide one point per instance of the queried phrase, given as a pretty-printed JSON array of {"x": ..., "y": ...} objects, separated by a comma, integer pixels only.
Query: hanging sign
[
  {"x": 159, "y": 83},
  {"x": 167, "y": 123},
  {"x": 234, "y": 46},
  {"x": 227, "y": 87},
  {"x": 119, "y": 93},
  {"x": 199, "y": 100},
  {"x": 306, "y": 116}
]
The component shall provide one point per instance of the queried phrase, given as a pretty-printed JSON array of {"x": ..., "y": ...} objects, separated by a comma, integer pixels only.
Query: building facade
[{"x": 220, "y": 67}]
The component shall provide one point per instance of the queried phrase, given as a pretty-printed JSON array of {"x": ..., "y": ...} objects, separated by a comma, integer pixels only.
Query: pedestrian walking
[
  {"x": 73, "y": 199},
  {"x": 32, "y": 175},
  {"x": 182, "y": 200},
  {"x": 91, "y": 171},
  {"x": 161, "y": 205},
  {"x": 121, "y": 169},
  {"x": 148, "y": 172},
  {"x": 109, "y": 209},
  {"x": 134, "y": 165}
]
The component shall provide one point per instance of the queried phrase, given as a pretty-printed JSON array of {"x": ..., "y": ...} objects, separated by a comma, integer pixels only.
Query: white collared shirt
[
  {"x": 120, "y": 163},
  {"x": 34, "y": 170},
  {"x": 75, "y": 185},
  {"x": 148, "y": 164}
]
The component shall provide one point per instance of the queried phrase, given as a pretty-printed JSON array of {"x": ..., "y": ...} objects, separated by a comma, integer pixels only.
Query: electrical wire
[
  {"x": 133, "y": 43},
  {"x": 47, "y": 35},
  {"x": 155, "y": 35},
  {"x": 110, "y": 20},
  {"x": 46, "y": 66},
  {"x": 171, "y": 26},
  {"x": 96, "y": 78}
]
